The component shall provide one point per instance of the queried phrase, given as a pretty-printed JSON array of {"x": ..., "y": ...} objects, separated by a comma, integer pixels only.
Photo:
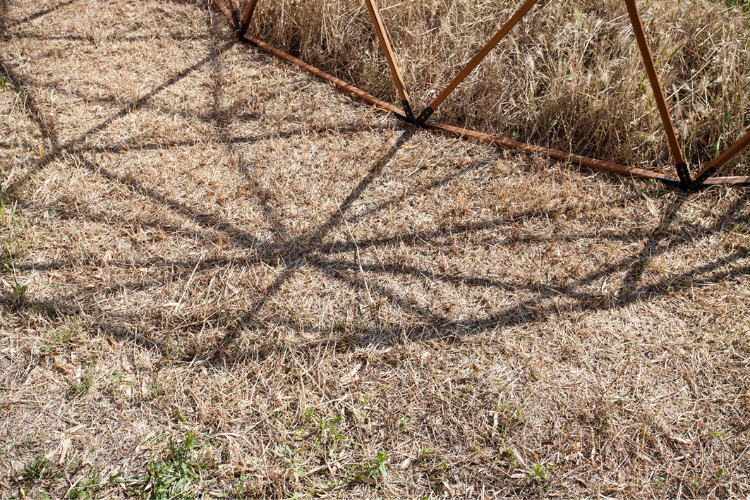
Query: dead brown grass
[
  {"x": 215, "y": 243},
  {"x": 569, "y": 77}
]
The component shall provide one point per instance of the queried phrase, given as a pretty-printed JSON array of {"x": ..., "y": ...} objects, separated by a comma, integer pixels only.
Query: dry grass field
[
  {"x": 223, "y": 278},
  {"x": 569, "y": 77}
]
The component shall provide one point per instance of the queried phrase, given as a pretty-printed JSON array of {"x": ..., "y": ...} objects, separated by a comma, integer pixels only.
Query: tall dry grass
[{"x": 569, "y": 76}]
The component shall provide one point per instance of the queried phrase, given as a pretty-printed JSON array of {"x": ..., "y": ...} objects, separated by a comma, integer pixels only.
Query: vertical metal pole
[
  {"x": 385, "y": 44},
  {"x": 661, "y": 103},
  {"x": 248, "y": 16},
  {"x": 522, "y": 11}
]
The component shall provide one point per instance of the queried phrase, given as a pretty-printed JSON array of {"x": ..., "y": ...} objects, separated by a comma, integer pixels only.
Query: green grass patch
[{"x": 172, "y": 477}]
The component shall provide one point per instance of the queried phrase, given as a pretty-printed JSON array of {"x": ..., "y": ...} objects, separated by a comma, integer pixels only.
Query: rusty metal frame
[
  {"x": 683, "y": 180},
  {"x": 235, "y": 14},
  {"x": 385, "y": 44},
  {"x": 249, "y": 10},
  {"x": 661, "y": 102},
  {"x": 474, "y": 62},
  {"x": 223, "y": 9}
]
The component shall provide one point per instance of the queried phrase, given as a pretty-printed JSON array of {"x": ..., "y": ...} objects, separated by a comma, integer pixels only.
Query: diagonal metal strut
[
  {"x": 251, "y": 4},
  {"x": 661, "y": 103},
  {"x": 235, "y": 15},
  {"x": 703, "y": 178},
  {"x": 474, "y": 62},
  {"x": 385, "y": 44},
  {"x": 720, "y": 160}
]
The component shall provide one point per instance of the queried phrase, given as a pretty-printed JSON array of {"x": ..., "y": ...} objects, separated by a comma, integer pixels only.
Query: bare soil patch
[{"x": 221, "y": 276}]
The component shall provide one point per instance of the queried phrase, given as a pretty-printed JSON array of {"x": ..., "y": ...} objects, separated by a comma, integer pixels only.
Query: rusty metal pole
[
  {"x": 508, "y": 143},
  {"x": 235, "y": 14},
  {"x": 251, "y": 4},
  {"x": 325, "y": 76},
  {"x": 224, "y": 10},
  {"x": 661, "y": 103},
  {"x": 385, "y": 44},
  {"x": 461, "y": 132},
  {"x": 720, "y": 160},
  {"x": 522, "y": 11}
]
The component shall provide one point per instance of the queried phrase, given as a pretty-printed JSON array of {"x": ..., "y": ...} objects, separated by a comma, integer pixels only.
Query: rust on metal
[
  {"x": 653, "y": 78},
  {"x": 385, "y": 44},
  {"x": 474, "y": 62},
  {"x": 224, "y": 10},
  {"x": 247, "y": 17},
  {"x": 462, "y": 132},
  {"x": 702, "y": 179},
  {"x": 721, "y": 160},
  {"x": 552, "y": 153},
  {"x": 325, "y": 76}
]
